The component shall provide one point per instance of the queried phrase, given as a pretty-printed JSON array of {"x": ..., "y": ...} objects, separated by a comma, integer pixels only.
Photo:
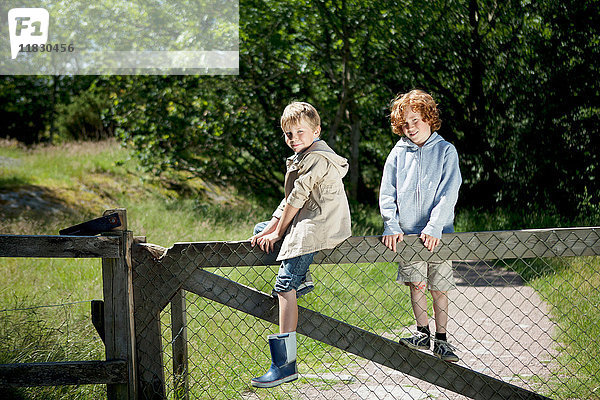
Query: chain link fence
[
  {"x": 524, "y": 320},
  {"x": 49, "y": 333}
]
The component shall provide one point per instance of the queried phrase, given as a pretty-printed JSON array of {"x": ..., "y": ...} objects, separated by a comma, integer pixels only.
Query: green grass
[
  {"x": 45, "y": 334},
  {"x": 574, "y": 296},
  {"x": 472, "y": 220},
  {"x": 228, "y": 348}
]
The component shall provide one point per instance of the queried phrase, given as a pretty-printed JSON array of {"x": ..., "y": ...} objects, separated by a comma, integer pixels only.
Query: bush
[{"x": 85, "y": 118}]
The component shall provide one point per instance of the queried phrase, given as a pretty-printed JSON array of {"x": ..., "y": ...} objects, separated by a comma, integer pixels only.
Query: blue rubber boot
[{"x": 283, "y": 367}]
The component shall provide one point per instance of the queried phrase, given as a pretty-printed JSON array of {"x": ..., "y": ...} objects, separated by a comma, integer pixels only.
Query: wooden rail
[
  {"x": 59, "y": 246},
  {"x": 493, "y": 245},
  {"x": 64, "y": 373}
]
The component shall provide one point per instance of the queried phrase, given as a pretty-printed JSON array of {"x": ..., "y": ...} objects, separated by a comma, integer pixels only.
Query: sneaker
[
  {"x": 418, "y": 341},
  {"x": 444, "y": 350},
  {"x": 306, "y": 286}
]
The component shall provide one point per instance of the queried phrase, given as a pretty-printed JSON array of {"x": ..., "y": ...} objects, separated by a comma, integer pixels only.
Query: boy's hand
[
  {"x": 391, "y": 240},
  {"x": 429, "y": 241},
  {"x": 254, "y": 239},
  {"x": 267, "y": 242}
]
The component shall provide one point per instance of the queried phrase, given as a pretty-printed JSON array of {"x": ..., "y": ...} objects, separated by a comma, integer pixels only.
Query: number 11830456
[{"x": 47, "y": 48}]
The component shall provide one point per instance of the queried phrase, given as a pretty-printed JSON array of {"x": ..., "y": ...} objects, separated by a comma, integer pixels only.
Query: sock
[
  {"x": 424, "y": 329},
  {"x": 441, "y": 336}
]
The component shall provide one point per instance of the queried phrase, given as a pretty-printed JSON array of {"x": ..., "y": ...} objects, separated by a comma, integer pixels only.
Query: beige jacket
[{"x": 313, "y": 183}]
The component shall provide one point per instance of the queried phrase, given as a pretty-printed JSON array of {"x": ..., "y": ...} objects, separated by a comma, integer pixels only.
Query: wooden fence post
[
  {"x": 180, "y": 353},
  {"x": 149, "y": 356},
  {"x": 118, "y": 311}
]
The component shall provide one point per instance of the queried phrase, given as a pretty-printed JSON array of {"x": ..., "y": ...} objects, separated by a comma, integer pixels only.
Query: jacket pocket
[
  {"x": 333, "y": 189},
  {"x": 330, "y": 194},
  {"x": 311, "y": 204}
]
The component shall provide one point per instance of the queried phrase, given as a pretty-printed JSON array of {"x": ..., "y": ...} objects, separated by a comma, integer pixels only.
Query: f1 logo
[{"x": 28, "y": 26}]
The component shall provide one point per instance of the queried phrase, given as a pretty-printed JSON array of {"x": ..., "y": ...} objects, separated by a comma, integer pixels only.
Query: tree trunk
[{"x": 354, "y": 154}]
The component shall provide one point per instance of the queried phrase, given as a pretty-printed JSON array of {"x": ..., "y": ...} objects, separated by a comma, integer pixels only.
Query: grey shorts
[{"x": 438, "y": 275}]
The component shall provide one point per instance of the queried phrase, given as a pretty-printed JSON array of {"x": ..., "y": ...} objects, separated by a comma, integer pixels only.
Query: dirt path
[{"x": 499, "y": 326}]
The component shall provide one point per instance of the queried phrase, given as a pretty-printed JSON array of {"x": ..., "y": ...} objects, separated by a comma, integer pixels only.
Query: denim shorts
[{"x": 292, "y": 271}]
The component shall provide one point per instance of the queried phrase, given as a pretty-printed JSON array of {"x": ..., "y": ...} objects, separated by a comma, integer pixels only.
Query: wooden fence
[
  {"x": 141, "y": 280},
  {"x": 114, "y": 315},
  {"x": 161, "y": 275}
]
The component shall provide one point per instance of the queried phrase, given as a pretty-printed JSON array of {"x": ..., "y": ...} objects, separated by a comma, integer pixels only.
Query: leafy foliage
[{"x": 516, "y": 81}]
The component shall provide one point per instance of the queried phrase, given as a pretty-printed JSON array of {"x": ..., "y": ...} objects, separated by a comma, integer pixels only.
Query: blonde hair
[
  {"x": 419, "y": 101},
  {"x": 297, "y": 112}
]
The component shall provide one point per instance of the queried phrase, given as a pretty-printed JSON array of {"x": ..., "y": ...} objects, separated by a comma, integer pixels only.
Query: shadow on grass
[
  {"x": 534, "y": 268},
  {"x": 24, "y": 198},
  {"x": 33, "y": 209},
  {"x": 507, "y": 272},
  {"x": 9, "y": 182}
]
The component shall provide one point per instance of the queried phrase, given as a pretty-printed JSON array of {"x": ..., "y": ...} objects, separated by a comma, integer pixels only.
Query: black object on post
[{"x": 94, "y": 227}]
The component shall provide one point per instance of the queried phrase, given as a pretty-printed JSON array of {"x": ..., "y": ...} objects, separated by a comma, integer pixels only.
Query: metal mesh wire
[
  {"x": 49, "y": 333},
  {"x": 55, "y": 332},
  {"x": 510, "y": 318}
]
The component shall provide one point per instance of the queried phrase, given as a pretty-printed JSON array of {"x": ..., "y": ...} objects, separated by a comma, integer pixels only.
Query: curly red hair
[{"x": 419, "y": 101}]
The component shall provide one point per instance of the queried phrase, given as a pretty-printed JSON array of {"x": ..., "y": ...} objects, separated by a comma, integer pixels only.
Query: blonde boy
[
  {"x": 419, "y": 189},
  {"x": 314, "y": 215}
]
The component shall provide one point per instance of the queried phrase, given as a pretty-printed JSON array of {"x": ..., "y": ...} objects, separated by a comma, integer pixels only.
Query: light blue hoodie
[{"x": 419, "y": 187}]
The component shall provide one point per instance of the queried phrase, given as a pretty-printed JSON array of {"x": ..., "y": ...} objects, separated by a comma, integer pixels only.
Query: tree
[{"x": 517, "y": 83}]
